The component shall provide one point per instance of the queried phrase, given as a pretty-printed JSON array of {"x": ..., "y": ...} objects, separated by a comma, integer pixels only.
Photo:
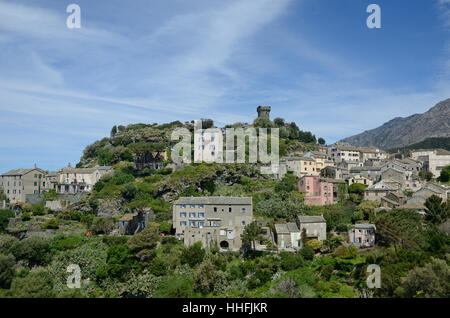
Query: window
[
  {"x": 200, "y": 206},
  {"x": 35, "y": 184},
  {"x": 212, "y": 138},
  {"x": 201, "y": 215},
  {"x": 192, "y": 206},
  {"x": 243, "y": 210},
  {"x": 243, "y": 223},
  {"x": 183, "y": 214},
  {"x": 192, "y": 214},
  {"x": 215, "y": 209},
  {"x": 229, "y": 209}
]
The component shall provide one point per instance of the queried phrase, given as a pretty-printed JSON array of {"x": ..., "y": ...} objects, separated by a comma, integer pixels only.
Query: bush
[
  {"x": 101, "y": 225},
  {"x": 314, "y": 244},
  {"x": 36, "y": 250},
  {"x": 37, "y": 284},
  {"x": 291, "y": 261},
  {"x": 38, "y": 209},
  {"x": 5, "y": 215},
  {"x": 120, "y": 260},
  {"x": 307, "y": 252},
  {"x": 158, "y": 267},
  {"x": 326, "y": 271},
  {"x": 50, "y": 224},
  {"x": 7, "y": 263},
  {"x": 193, "y": 255}
]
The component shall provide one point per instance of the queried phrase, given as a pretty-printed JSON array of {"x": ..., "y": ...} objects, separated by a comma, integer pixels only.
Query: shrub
[
  {"x": 314, "y": 244},
  {"x": 290, "y": 261},
  {"x": 50, "y": 224},
  {"x": 5, "y": 215},
  {"x": 7, "y": 263},
  {"x": 326, "y": 271},
  {"x": 307, "y": 252},
  {"x": 37, "y": 284},
  {"x": 38, "y": 209},
  {"x": 36, "y": 250},
  {"x": 193, "y": 255},
  {"x": 101, "y": 225},
  {"x": 158, "y": 267}
]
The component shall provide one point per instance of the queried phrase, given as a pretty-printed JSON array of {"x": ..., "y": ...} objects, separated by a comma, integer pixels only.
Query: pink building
[{"x": 317, "y": 191}]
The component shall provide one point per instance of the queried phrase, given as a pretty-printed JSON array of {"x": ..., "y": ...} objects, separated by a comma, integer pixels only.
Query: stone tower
[{"x": 263, "y": 111}]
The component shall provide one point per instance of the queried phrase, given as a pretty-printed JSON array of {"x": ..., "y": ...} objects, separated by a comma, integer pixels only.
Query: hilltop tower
[{"x": 263, "y": 111}]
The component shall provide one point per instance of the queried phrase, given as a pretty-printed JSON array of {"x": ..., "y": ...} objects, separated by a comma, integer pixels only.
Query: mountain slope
[{"x": 401, "y": 132}]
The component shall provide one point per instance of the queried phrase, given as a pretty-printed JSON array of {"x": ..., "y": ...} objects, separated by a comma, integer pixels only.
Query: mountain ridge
[{"x": 403, "y": 131}]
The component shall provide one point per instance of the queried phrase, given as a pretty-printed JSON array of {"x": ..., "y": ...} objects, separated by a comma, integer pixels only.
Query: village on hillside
[{"x": 336, "y": 200}]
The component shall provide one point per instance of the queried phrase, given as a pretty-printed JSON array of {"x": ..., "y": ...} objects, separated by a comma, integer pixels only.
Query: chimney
[
  {"x": 69, "y": 166},
  {"x": 35, "y": 166}
]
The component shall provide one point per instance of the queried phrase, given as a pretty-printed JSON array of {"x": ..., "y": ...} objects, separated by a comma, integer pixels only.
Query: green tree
[
  {"x": 436, "y": 211},
  {"x": 432, "y": 280},
  {"x": 5, "y": 215},
  {"x": 252, "y": 233},
  {"x": 315, "y": 244},
  {"x": 321, "y": 141},
  {"x": 37, "y": 284},
  {"x": 400, "y": 227},
  {"x": 445, "y": 174},
  {"x": 36, "y": 250},
  {"x": 7, "y": 263},
  {"x": 148, "y": 238},
  {"x": 287, "y": 184},
  {"x": 193, "y": 255},
  {"x": 307, "y": 252}
]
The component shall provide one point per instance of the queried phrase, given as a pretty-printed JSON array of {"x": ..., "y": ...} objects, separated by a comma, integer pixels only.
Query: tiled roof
[
  {"x": 281, "y": 228},
  {"x": 364, "y": 226},
  {"x": 214, "y": 200},
  {"x": 19, "y": 172},
  {"x": 311, "y": 219}
]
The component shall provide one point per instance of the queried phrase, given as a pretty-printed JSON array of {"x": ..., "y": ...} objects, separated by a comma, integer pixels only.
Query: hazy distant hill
[
  {"x": 401, "y": 132},
  {"x": 429, "y": 143}
]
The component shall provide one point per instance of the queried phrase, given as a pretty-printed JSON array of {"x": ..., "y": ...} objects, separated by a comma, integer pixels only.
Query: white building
[
  {"x": 434, "y": 160},
  {"x": 73, "y": 180},
  {"x": 208, "y": 145}
]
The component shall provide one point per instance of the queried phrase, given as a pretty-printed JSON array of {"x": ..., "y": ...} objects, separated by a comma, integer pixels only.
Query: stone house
[
  {"x": 314, "y": 227},
  {"x": 153, "y": 160},
  {"x": 74, "y": 180},
  {"x": 317, "y": 191},
  {"x": 357, "y": 178},
  {"x": 299, "y": 166},
  {"x": 378, "y": 190},
  {"x": 212, "y": 220},
  {"x": 133, "y": 223},
  {"x": 18, "y": 183},
  {"x": 362, "y": 235},
  {"x": 367, "y": 171},
  {"x": 393, "y": 200},
  {"x": 287, "y": 236}
]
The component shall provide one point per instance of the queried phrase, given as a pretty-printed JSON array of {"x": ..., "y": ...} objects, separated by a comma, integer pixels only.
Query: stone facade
[
  {"x": 362, "y": 235},
  {"x": 315, "y": 227},
  {"x": 18, "y": 183},
  {"x": 212, "y": 220}
]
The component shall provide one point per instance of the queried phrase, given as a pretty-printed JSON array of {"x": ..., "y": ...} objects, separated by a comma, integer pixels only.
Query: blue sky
[{"x": 314, "y": 61}]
